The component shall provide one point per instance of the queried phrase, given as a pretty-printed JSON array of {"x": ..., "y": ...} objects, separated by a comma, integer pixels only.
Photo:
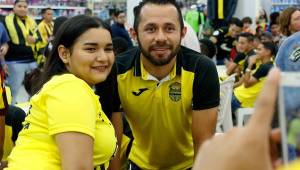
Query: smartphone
[{"x": 289, "y": 115}]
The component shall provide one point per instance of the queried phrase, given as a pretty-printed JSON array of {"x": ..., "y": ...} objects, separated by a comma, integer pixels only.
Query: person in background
[
  {"x": 57, "y": 23},
  {"x": 208, "y": 48},
  {"x": 66, "y": 127},
  {"x": 247, "y": 22},
  {"x": 252, "y": 81},
  {"x": 88, "y": 12},
  {"x": 23, "y": 34},
  {"x": 262, "y": 20},
  {"x": 275, "y": 31},
  {"x": 289, "y": 21},
  {"x": 266, "y": 37},
  {"x": 225, "y": 39},
  {"x": 118, "y": 28},
  {"x": 45, "y": 29},
  {"x": 246, "y": 50},
  {"x": 248, "y": 146},
  {"x": 169, "y": 116}
]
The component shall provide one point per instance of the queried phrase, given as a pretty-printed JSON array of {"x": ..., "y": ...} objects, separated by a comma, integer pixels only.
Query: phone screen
[{"x": 289, "y": 108}]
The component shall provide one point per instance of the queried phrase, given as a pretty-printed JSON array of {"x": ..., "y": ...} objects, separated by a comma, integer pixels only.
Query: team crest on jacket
[{"x": 175, "y": 91}]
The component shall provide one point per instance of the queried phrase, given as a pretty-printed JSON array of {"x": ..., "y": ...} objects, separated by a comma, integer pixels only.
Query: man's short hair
[
  {"x": 237, "y": 22},
  {"x": 138, "y": 8},
  {"x": 17, "y": 1},
  {"x": 247, "y": 20},
  {"x": 44, "y": 10},
  {"x": 247, "y": 35}
]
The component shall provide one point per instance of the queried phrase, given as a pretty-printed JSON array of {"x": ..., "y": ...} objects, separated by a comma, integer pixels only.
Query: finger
[{"x": 264, "y": 106}]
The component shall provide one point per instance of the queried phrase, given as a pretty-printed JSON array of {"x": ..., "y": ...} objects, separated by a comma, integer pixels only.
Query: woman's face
[
  {"x": 262, "y": 52},
  {"x": 295, "y": 22},
  {"x": 91, "y": 57}
]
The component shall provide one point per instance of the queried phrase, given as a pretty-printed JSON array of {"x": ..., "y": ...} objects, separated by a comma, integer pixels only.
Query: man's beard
[{"x": 159, "y": 61}]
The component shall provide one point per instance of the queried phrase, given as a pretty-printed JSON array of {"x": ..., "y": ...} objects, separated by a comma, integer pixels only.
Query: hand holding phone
[{"x": 289, "y": 114}]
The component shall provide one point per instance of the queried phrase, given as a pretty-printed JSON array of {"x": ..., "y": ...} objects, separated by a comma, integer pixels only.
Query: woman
[
  {"x": 252, "y": 81},
  {"x": 66, "y": 127},
  {"x": 289, "y": 21}
]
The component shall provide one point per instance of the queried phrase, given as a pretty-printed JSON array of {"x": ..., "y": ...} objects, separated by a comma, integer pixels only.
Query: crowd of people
[{"x": 107, "y": 96}]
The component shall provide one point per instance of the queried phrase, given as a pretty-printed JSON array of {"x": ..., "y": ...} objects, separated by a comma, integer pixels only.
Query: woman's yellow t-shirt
[{"x": 64, "y": 104}]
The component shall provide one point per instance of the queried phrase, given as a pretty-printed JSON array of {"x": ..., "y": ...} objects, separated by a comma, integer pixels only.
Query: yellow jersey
[{"x": 64, "y": 104}]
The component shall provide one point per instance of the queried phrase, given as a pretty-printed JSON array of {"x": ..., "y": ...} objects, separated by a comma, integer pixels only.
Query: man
[
  {"x": 245, "y": 148},
  {"x": 23, "y": 35},
  {"x": 224, "y": 38},
  {"x": 45, "y": 27},
  {"x": 118, "y": 28},
  {"x": 169, "y": 93},
  {"x": 246, "y": 50}
]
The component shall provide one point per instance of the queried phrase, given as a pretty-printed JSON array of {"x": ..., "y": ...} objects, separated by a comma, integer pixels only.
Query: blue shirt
[
  {"x": 288, "y": 60},
  {"x": 3, "y": 35}
]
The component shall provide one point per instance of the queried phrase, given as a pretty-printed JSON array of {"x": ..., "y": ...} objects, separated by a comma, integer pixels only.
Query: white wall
[
  {"x": 247, "y": 8},
  {"x": 130, "y": 5}
]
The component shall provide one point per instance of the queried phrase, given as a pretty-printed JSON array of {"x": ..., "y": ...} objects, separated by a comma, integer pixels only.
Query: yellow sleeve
[
  {"x": 43, "y": 32},
  {"x": 71, "y": 108}
]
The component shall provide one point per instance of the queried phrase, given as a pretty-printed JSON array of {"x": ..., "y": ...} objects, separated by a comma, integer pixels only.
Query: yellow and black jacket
[
  {"x": 160, "y": 112},
  {"x": 46, "y": 31},
  {"x": 19, "y": 30}
]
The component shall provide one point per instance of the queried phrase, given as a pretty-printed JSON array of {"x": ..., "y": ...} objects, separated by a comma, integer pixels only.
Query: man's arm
[
  {"x": 203, "y": 126},
  {"x": 117, "y": 122}
]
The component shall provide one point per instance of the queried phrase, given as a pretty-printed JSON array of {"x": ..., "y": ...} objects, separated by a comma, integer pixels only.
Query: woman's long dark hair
[{"x": 66, "y": 35}]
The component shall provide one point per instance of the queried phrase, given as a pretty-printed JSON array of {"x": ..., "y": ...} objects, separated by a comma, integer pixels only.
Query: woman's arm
[{"x": 76, "y": 150}]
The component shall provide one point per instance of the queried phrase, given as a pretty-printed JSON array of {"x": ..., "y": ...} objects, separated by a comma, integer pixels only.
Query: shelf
[
  {"x": 41, "y": 7},
  {"x": 285, "y": 4}
]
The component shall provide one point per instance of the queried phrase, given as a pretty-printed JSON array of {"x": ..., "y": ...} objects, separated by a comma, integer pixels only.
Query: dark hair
[
  {"x": 88, "y": 11},
  {"x": 44, "y": 10},
  {"x": 58, "y": 22},
  {"x": 270, "y": 46},
  {"x": 285, "y": 20},
  {"x": 237, "y": 22},
  {"x": 17, "y": 1},
  {"x": 208, "y": 48},
  {"x": 66, "y": 35},
  {"x": 274, "y": 16},
  {"x": 118, "y": 12},
  {"x": 30, "y": 78},
  {"x": 267, "y": 35},
  {"x": 247, "y": 35},
  {"x": 137, "y": 11},
  {"x": 247, "y": 20},
  {"x": 120, "y": 45}
]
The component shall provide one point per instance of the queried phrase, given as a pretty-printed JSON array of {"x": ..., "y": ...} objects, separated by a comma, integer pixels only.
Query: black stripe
[{"x": 19, "y": 32}]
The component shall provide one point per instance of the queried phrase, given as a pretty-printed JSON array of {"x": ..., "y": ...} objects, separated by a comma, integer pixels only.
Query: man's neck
[
  {"x": 159, "y": 72},
  {"x": 47, "y": 22}
]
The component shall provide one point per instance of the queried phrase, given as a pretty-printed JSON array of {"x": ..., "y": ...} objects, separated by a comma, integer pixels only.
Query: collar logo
[
  {"x": 295, "y": 54},
  {"x": 175, "y": 91}
]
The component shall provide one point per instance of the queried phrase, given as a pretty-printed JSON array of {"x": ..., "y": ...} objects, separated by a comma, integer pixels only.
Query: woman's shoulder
[{"x": 67, "y": 82}]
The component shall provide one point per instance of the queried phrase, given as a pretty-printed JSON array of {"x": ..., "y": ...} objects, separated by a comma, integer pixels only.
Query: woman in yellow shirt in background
[{"x": 66, "y": 127}]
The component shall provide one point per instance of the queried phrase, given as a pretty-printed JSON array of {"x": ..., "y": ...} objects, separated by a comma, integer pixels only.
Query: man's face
[
  {"x": 121, "y": 18},
  {"x": 275, "y": 30},
  {"x": 159, "y": 33},
  {"x": 48, "y": 15},
  {"x": 234, "y": 30},
  {"x": 21, "y": 9},
  {"x": 244, "y": 45}
]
